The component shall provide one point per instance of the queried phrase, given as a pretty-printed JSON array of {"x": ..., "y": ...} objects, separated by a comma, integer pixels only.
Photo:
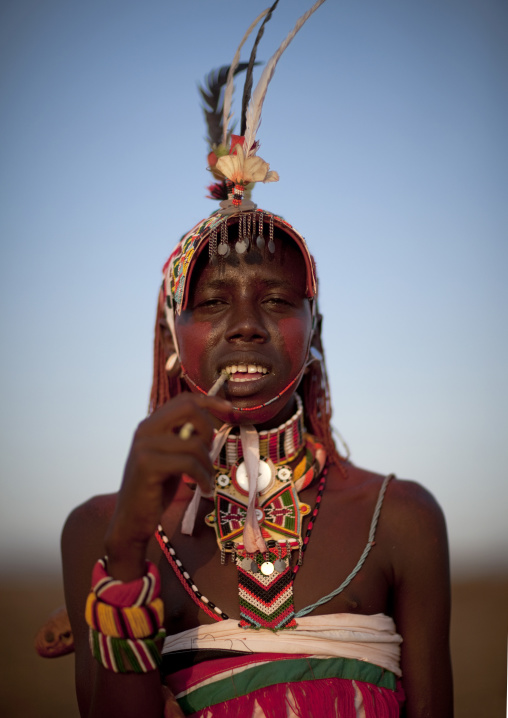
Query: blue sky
[{"x": 387, "y": 124}]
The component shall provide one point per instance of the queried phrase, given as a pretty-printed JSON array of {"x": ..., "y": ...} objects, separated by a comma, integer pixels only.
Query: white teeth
[{"x": 245, "y": 369}]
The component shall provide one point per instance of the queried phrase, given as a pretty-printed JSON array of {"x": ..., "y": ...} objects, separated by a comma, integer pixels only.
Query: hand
[{"x": 157, "y": 459}]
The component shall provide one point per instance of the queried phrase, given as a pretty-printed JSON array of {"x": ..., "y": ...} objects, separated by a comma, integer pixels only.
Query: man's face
[{"x": 251, "y": 318}]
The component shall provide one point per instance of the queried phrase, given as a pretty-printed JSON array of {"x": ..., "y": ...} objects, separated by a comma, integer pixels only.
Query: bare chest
[{"x": 338, "y": 564}]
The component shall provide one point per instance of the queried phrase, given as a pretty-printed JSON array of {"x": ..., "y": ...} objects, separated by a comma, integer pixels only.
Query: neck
[{"x": 280, "y": 444}]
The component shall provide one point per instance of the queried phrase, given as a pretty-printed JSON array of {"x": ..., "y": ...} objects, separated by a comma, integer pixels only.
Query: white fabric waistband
[{"x": 367, "y": 638}]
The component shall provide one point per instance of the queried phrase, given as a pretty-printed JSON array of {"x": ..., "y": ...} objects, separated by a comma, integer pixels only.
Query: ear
[
  {"x": 317, "y": 342},
  {"x": 167, "y": 342},
  {"x": 316, "y": 346},
  {"x": 172, "y": 365}
]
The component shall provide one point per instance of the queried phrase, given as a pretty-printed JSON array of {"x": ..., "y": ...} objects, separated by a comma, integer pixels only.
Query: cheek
[
  {"x": 194, "y": 342},
  {"x": 294, "y": 336}
]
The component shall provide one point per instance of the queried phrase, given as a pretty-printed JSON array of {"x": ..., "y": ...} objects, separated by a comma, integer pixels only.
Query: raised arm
[{"x": 121, "y": 526}]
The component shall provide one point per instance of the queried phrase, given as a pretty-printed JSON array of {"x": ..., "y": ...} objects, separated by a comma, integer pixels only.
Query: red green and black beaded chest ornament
[{"x": 291, "y": 461}]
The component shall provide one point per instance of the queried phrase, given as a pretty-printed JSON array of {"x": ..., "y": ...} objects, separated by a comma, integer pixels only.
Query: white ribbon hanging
[
  {"x": 189, "y": 518},
  {"x": 252, "y": 537}
]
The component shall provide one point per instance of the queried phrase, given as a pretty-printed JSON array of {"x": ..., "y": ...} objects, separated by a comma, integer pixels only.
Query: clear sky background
[{"x": 387, "y": 122}]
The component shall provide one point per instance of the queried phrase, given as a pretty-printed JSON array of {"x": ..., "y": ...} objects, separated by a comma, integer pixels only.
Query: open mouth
[{"x": 245, "y": 372}]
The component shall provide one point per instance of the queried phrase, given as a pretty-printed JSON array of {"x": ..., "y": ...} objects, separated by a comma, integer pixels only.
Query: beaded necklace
[
  {"x": 280, "y": 445},
  {"x": 210, "y": 608},
  {"x": 290, "y": 461}
]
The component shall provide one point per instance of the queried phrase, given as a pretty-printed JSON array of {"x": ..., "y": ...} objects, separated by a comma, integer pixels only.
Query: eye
[
  {"x": 209, "y": 304},
  {"x": 278, "y": 301}
]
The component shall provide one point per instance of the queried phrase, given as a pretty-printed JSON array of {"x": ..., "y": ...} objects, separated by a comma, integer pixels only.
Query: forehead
[{"x": 285, "y": 268}]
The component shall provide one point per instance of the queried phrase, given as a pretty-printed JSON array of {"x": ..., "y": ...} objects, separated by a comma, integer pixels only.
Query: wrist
[{"x": 126, "y": 561}]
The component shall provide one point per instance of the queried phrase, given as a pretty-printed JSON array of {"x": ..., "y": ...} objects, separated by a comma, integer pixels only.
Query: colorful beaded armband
[{"x": 125, "y": 620}]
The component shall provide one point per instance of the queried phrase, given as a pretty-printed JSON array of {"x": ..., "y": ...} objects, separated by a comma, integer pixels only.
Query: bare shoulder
[
  {"x": 413, "y": 529},
  {"x": 411, "y": 526},
  {"x": 82, "y": 544},
  {"x": 93, "y": 512},
  {"x": 411, "y": 507},
  {"x": 405, "y": 500}
]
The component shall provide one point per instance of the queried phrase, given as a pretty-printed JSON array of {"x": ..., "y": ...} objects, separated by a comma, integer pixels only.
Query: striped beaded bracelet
[
  {"x": 125, "y": 620},
  {"x": 123, "y": 655}
]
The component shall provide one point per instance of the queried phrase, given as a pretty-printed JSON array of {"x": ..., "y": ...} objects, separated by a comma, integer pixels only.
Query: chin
[{"x": 272, "y": 415}]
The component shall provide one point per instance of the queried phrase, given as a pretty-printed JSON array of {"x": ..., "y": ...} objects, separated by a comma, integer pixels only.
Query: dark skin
[{"x": 256, "y": 315}]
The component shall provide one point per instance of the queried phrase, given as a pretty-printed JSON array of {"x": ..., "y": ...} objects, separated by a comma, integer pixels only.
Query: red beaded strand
[{"x": 313, "y": 517}]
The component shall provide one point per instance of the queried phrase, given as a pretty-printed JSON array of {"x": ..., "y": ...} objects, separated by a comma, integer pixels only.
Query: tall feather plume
[
  {"x": 253, "y": 117},
  {"x": 228, "y": 92},
  {"x": 211, "y": 94},
  {"x": 247, "y": 89}
]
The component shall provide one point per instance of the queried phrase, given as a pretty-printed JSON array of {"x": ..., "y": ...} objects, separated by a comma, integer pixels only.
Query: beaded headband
[{"x": 255, "y": 229}]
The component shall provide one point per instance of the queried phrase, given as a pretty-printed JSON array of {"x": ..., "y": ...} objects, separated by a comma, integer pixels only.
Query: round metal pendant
[
  {"x": 259, "y": 514},
  {"x": 267, "y": 568},
  {"x": 280, "y": 565},
  {"x": 246, "y": 564},
  {"x": 265, "y": 476},
  {"x": 284, "y": 473},
  {"x": 241, "y": 246},
  {"x": 271, "y": 246},
  {"x": 260, "y": 241},
  {"x": 223, "y": 249},
  {"x": 223, "y": 480},
  {"x": 254, "y": 568}
]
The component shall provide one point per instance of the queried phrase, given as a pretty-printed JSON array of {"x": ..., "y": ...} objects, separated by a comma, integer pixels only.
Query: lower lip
[
  {"x": 244, "y": 378},
  {"x": 246, "y": 384}
]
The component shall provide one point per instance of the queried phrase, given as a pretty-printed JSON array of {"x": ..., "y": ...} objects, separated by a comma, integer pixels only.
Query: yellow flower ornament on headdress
[{"x": 242, "y": 168}]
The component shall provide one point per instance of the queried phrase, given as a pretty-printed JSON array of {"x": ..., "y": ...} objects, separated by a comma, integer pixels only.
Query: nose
[{"x": 246, "y": 323}]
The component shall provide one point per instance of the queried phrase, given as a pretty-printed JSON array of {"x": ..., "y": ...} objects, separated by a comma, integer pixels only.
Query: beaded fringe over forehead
[{"x": 178, "y": 268}]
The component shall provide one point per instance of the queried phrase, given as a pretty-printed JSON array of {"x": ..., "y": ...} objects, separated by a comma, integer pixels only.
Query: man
[
  {"x": 282, "y": 575},
  {"x": 252, "y": 314}
]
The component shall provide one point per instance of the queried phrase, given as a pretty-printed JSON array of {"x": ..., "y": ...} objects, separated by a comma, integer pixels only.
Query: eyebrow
[{"x": 223, "y": 283}]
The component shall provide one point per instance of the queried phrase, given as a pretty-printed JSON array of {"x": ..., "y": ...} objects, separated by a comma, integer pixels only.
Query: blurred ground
[{"x": 33, "y": 686}]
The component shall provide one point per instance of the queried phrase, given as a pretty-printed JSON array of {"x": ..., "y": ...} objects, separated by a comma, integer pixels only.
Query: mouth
[{"x": 241, "y": 373}]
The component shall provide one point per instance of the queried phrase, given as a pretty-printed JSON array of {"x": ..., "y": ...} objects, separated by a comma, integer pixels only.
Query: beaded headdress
[
  {"x": 236, "y": 167},
  {"x": 239, "y": 226}
]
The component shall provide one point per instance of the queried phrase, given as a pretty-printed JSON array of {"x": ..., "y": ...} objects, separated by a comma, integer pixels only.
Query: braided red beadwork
[
  {"x": 313, "y": 517},
  {"x": 208, "y": 607}
]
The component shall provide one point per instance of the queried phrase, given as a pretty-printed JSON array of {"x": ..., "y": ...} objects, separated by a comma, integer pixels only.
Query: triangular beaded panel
[
  {"x": 266, "y": 601},
  {"x": 282, "y": 513},
  {"x": 230, "y": 517}
]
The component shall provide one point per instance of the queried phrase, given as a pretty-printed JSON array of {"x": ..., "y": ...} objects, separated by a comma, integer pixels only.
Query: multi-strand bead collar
[{"x": 280, "y": 445}]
